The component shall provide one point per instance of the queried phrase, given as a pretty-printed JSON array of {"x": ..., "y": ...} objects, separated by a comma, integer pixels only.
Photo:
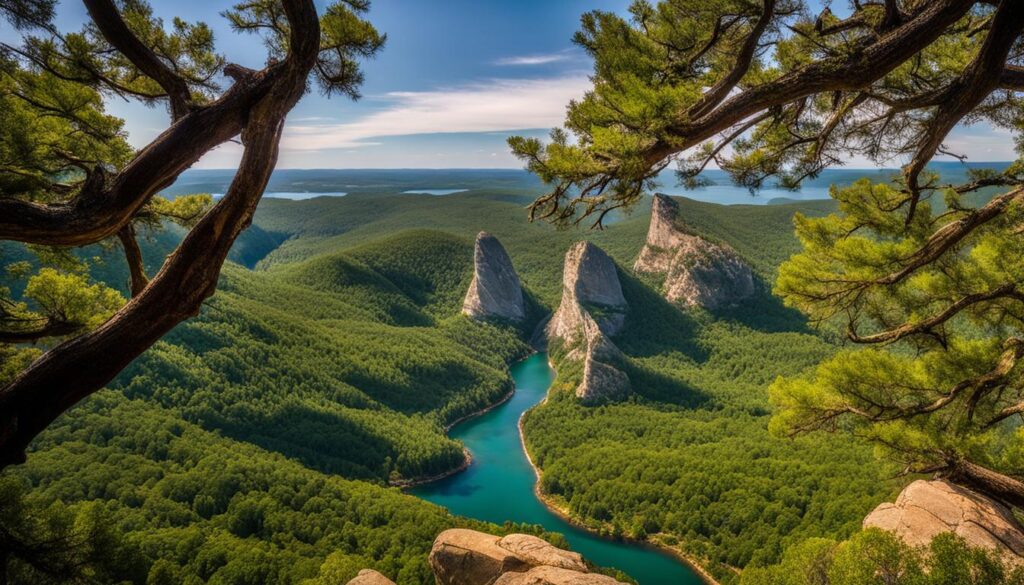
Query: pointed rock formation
[
  {"x": 697, "y": 272},
  {"x": 925, "y": 509},
  {"x": 592, "y": 309},
  {"x": 495, "y": 292},
  {"x": 592, "y": 299},
  {"x": 467, "y": 557}
]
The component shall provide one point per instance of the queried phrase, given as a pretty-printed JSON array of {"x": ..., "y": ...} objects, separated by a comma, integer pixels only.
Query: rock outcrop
[
  {"x": 592, "y": 309},
  {"x": 468, "y": 557},
  {"x": 370, "y": 577},
  {"x": 696, "y": 272},
  {"x": 927, "y": 508},
  {"x": 601, "y": 382},
  {"x": 590, "y": 292},
  {"x": 495, "y": 291}
]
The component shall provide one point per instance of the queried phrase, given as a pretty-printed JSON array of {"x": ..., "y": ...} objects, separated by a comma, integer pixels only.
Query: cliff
[
  {"x": 468, "y": 557},
  {"x": 696, "y": 272},
  {"x": 592, "y": 309},
  {"x": 591, "y": 292},
  {"x": 495, "y": 291},
  {"x": 925, "y": 509}
]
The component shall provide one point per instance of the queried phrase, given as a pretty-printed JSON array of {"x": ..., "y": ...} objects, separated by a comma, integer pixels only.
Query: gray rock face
[
  {"x": 697, "y": 272},
  {"x": 925, "y": 509},
  {"x": 601, "y": 382},
  {"x": 495, "y": 292},
  {"x": 590, "y": 283},
  {"x": 468, "y": 557},
  {"x": 370, "y": 577},
  {"x": 592, "y": 309}
]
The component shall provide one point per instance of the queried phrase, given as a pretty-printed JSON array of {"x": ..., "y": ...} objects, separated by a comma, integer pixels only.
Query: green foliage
[
  {"x": 877, "y": 557},
  {"x": 344, "y": 38},
  {"x": 928, "y": 393},
  {"x": 146, "y": 497}
]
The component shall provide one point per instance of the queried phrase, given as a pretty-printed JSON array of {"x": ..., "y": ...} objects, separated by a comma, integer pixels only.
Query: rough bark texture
[{"x": 256, "y": 107}]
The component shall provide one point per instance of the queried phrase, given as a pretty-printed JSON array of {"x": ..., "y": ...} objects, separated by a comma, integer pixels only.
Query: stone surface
[
  {"x": 925, "y": 509},
  {"x": 468, "y": 557},
  {"x": 601, "y": 382},
  {"x": 592, "y": 309},
  {"x": 590, "y": 287},
  {"x": 495, "y": 291},
  {"x": 370, "y": 577},
  {"x": 697, "y": 272},
  {"x": 554, "y": 576},
  {"x": 538, "y": 551}
]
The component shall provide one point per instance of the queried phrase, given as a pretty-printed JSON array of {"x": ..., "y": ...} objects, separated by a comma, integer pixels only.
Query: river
[{"x": 498, "y": 486}]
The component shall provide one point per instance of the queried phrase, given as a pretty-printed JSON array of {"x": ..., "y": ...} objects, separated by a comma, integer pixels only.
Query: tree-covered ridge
[
  {"x": 336, "y": 361},
  {"x": 139, "y": 495},
  {"x": 688, "y": 461}
]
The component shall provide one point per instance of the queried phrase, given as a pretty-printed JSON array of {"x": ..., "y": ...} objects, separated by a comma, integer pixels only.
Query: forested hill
[{"x": 342, "y": 349}]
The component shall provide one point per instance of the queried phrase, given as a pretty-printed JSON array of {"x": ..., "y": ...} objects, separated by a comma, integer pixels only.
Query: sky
[{"x": 455, "y": 79}]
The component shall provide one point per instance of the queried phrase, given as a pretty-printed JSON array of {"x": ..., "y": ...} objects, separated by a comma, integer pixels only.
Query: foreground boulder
[
  {"x": 467, "y": 557},
  {"x": 370, "y": 577},
  {"x": 495, "y": 291},
  {"x": 926, "y": 509},
  {"x": 696, "y": 271},
  {"x": 592, "y": 309}
]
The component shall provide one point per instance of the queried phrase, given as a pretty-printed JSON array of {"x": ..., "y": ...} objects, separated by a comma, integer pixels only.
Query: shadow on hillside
[
  {"x": 654, "y": 325},
  {"x": 428, "y": 387},
  {"x": 318, "y": 439},
  {"x": 765, "y": 312},
  {"x": 657, "y": 387}
]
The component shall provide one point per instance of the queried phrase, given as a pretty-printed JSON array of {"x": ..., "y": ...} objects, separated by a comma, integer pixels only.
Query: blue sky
[{"x": 456, "y": 78}]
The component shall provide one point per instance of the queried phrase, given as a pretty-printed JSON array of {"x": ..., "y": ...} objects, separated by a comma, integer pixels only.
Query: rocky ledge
[
  {"x": 592, "y": 309},
  {"x": 370, "y": 577},
  {"x": 468, "y": 557},
  {"x": 927, "y": 508},
  {"x": 696, "y": 272},
  {"x": 495, "y": 291}
]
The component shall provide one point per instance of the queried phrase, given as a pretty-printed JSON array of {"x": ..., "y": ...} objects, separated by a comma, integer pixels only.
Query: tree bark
[
  {"x": 81, "y": 366},
  {"x": 996, "y": 485}
]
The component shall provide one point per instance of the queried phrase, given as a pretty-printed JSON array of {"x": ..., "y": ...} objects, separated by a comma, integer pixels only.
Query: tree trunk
[
  {"x": 79, "y": 367},
  {"x": 993, "y": 484}
]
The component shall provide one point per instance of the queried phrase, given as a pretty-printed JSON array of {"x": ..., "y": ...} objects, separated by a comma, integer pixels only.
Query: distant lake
[
  {"x": 434, "y": 191},
  {"x": 293, "y": 195}
]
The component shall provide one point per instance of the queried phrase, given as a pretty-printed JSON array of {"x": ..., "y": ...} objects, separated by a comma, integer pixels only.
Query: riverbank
[
  {"x": 497, "y": 487},
  {"x": 559, "y": 509},
  {"x": 467, "y": 457}
]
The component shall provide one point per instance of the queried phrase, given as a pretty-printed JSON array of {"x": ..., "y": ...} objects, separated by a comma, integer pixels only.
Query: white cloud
[
  {"x": 492, "y": 106},
  {"x": 533, "y": 59}
]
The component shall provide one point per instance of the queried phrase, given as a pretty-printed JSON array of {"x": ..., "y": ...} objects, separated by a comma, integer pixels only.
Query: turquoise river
[{"x": 499, "y": 485}]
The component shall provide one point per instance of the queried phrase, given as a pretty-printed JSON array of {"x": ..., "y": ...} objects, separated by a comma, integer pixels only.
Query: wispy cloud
[
  {"x": 533, "y": 59},
  {"x": 495, "y": 105}
]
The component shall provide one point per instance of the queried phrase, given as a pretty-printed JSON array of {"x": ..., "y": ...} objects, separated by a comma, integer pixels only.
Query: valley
[{"x": 343, "y": 350}]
